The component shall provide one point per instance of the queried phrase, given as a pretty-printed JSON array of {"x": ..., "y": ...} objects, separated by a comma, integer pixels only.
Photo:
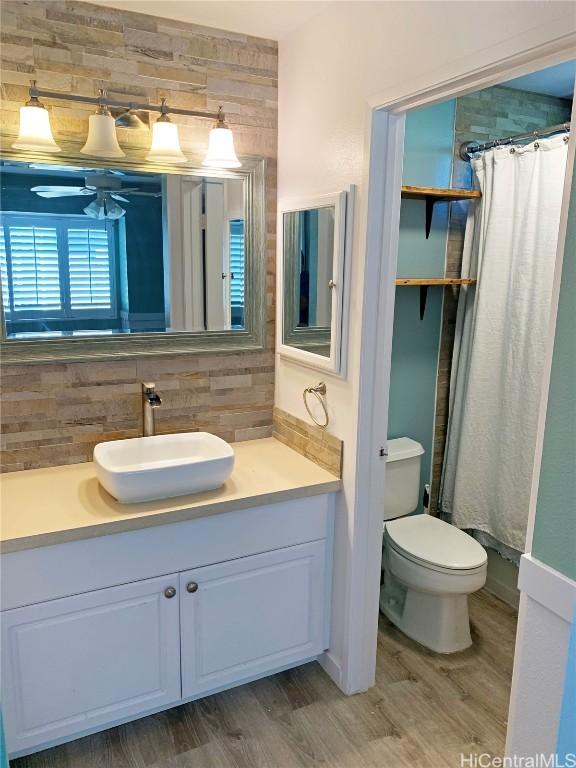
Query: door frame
[{"x": 385, "y": 149}]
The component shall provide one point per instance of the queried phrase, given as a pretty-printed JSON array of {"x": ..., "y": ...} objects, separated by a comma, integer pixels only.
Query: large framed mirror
[
  {"x": 313, "y": 286},
  {"x": 102, "y": 261}
]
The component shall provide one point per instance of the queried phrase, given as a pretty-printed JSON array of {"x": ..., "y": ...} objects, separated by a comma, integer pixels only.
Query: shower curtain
[{"x": 501, "y": 328}]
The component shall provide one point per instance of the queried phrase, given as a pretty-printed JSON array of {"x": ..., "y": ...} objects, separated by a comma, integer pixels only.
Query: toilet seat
[{"x": 434, "y": 544}]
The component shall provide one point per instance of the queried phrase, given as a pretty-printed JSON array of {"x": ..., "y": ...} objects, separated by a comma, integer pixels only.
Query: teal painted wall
[
  {"x": 428, "y": 151},
  {"x": 555, "y": 525}
]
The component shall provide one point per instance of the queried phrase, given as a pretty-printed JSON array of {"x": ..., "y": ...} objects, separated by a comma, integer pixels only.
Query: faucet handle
[{"x": 148, "y": 387}]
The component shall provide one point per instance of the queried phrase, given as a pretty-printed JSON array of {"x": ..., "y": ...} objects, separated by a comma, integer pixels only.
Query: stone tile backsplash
[
  {"x": 311, "y": 441},
  {"x": 55, "y": 414}
]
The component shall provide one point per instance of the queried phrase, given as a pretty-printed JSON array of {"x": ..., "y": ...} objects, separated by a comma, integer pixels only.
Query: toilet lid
[{"x": 433, "y": 541}]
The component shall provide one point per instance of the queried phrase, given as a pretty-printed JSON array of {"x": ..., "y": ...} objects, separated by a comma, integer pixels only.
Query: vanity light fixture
[
  {"x": 35, "y": 132},
  {"x": 165, "y": 147},
  {"x": 102, "y": 140},
  {"x": 221, "y": 152}
]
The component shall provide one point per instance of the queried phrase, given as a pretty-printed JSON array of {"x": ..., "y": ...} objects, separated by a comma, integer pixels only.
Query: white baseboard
[
  {"x": 508, "y": 595},
  {"x": 332, "y": 667},
  {"x": 502, "y": 579},
  {"x": 503, "y": 592}
]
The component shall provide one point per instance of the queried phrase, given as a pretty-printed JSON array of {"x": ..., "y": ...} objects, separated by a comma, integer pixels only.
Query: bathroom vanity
[{"x": 114, "y": 611}]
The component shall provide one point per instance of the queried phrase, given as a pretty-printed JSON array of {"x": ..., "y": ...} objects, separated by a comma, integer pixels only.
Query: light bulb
[
  {"x": 35, "y": 132},
  {"x": 165, "y": 147}
]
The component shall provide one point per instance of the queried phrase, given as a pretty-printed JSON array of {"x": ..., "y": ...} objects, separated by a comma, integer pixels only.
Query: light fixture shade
[
  {"x": 128, "y": 118},
  {"x": 95, "y": 210},
  {"x": 112, "y": 209},
  {"x": 104, "y": 207},
  {"x": 221, "y": 152},
  {"x": 165, "y": 147},
  {"x": 102, "y": 141},
  {"x": 35, "y": 132}
]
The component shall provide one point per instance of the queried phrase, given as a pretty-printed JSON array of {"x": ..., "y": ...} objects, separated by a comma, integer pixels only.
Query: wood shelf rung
[
  {"x": 433, "y": 195},
  {"x": 436, "y": 281},
  {"x": 439, "y": 194}
]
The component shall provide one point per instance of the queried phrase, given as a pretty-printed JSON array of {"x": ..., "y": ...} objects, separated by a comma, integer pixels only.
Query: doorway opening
[{"x": 427, "y": 405}]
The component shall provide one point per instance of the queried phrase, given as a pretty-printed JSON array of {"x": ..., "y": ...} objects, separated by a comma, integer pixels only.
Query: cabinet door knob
[
  {"x": 192, "y": 587},
  {"x": 169, "y": 592}
]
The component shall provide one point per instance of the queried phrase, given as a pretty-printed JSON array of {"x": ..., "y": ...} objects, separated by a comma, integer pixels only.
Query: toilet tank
[{"x": 402, "y": 477}]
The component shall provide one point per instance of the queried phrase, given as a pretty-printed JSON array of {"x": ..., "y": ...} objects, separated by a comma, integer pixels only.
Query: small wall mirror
[
  {"x": 96, "y": 257},
  {"x": 313, "y": 288}
]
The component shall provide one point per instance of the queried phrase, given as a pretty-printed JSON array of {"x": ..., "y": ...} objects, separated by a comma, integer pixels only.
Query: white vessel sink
[{"x": 163, "y": 466}]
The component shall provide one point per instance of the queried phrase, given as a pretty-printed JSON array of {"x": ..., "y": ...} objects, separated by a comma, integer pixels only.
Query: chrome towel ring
[{"x": 318, "y": 391}]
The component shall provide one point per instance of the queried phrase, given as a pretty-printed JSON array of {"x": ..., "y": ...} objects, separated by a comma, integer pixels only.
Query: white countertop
[{"x": 58, "y": 504}]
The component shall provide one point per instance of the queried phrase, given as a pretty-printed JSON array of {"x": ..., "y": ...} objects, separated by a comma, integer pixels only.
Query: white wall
[{"x": 331, "y": 72}]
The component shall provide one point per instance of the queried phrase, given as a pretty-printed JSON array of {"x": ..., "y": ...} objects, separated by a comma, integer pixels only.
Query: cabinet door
[
  {"x": 83, "y": 662},
  {"x": 246, "y": 617}
]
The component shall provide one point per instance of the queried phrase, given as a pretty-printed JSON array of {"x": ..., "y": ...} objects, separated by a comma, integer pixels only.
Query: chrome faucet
[{"x": 150, "y": 401}]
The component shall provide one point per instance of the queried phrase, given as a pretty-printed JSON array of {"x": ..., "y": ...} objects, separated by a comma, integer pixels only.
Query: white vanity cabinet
[
  {"x": 104, "y": 630},
  {"x": 80, "y": 662},
  {"x": 243, "y": 618}
]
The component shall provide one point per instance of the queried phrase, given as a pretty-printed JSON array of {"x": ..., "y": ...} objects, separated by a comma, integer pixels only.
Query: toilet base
[{"x": 438, "y": 622}]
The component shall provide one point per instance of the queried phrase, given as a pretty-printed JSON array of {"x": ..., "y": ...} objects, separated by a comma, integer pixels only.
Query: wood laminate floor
[{"x": 424, "y": 711}]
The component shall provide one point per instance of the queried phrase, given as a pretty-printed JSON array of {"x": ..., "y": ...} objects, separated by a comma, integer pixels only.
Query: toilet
[{"x": 429, "y": 567}]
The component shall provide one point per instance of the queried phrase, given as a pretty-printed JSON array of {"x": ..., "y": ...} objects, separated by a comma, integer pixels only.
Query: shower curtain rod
[{"x": 468, "y": 148}]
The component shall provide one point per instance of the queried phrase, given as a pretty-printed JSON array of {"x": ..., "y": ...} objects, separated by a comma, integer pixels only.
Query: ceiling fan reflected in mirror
[
  {"x": 105, "y": 206},
  {"x": 107, "y": 190}
]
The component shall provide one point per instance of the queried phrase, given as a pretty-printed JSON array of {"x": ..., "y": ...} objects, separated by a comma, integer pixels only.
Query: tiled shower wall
[
  {"x": 55, "y": 414},
  {"x": 489, "y": 114}
]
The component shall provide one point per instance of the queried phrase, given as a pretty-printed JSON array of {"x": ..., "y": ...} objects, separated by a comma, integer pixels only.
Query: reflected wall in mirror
[
  {"x": 309, "y": 246},
  {"x": 313, "y": 289},
  {"x": 105, "y": 251}
]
